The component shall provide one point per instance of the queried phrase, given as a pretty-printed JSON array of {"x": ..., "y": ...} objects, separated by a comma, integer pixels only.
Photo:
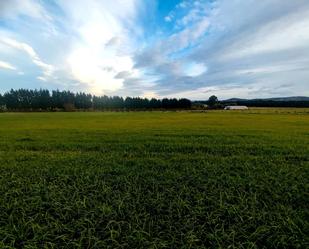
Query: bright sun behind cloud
[
  {"x": 101, "y": 56},
  {"x": 99, "y": 71}
]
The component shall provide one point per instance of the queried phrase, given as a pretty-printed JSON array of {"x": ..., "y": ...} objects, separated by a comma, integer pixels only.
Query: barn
[{"x": 236, "y": 107}]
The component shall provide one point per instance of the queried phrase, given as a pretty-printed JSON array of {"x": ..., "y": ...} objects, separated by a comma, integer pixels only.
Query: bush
[
  {"x": 69, "y": 107},
  {"x": 3, "y": 108}
]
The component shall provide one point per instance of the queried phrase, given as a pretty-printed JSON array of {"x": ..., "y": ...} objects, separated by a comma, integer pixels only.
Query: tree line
[
  {"x": 28, "y": 100},
  {"x": 270, "y": 103},
  {"x": 214, "y": 103}
]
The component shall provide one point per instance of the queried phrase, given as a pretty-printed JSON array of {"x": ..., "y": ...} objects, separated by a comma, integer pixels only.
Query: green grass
[{"x": 155, "y": 179}]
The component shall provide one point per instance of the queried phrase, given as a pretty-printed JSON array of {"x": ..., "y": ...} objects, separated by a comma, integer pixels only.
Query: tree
[
  {"x": 83, "y": 101},
  {"x": 2, "y": 102},
  {"x": 213, "y": 101},
  {"x": 185, "y": 103},
  {"x": 155, "y": 103},
  {"x": 11, "y": 99}
]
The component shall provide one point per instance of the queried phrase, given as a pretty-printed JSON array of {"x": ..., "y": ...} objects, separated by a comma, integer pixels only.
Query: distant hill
[
  {"x": 287, "y": 99},
  {"x": 295, "y": 101}
]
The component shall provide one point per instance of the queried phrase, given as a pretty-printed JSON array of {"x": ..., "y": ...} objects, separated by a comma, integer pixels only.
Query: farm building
[{"x": 236, "y": 107}]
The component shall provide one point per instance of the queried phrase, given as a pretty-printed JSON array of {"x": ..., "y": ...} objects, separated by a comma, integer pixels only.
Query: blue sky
[{"x": 157, "y": 48}]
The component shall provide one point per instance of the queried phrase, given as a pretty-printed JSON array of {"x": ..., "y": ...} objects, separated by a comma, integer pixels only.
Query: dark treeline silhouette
[
  {"x": 269, "y": 103},
  {"x": 28, "y": 100},
  {"x": 214, "y": 103}
]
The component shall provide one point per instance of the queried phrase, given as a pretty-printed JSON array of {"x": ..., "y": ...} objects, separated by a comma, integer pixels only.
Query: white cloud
[
  {"x": 41, "y": 78},
  {"x": 286, "y": 33},
  {"x": 15, "y": 8},
  {"x": 46, "y": 68},
  {"x": 182, "y": 4},
  {"x": 187, "y": 37},
  {"x": 168, "y": 18},
  {"x": 256, "y": 49},
  {"x": 106, "y": 41},
  {"x": 98, "y": 73},
  {"x": 6, "y": 65},
  {"x": 162, "y": 63},
  {"x": 19, "y": 45},
  {"x": 160, "y": 53},
  {"x": 194, "y": 69}
]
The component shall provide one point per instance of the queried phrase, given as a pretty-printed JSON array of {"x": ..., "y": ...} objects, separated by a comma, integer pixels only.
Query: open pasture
[{"x": 155, "y": 179}]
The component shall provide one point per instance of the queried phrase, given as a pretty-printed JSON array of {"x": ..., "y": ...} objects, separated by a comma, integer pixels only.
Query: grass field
[{"x": 155, "y": 179}]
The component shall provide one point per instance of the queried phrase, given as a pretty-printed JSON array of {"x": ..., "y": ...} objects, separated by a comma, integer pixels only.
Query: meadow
[{"x": 217, "y": 179}]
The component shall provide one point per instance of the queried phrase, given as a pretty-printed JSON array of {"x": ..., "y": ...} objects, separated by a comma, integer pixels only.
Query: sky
[{"x": 157, "y": 48}]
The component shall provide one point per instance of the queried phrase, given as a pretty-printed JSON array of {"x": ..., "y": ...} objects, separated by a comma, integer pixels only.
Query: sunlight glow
[{"x": 99, "y": 70}]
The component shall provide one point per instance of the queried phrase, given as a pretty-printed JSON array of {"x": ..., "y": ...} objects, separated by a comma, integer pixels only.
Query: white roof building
[{"x": 236, "y": 107}]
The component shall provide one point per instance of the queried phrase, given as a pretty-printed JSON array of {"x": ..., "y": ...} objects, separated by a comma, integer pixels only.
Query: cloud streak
[
  {"x": 6, "y": 65},
  {"x": 47, "y": 69}
]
